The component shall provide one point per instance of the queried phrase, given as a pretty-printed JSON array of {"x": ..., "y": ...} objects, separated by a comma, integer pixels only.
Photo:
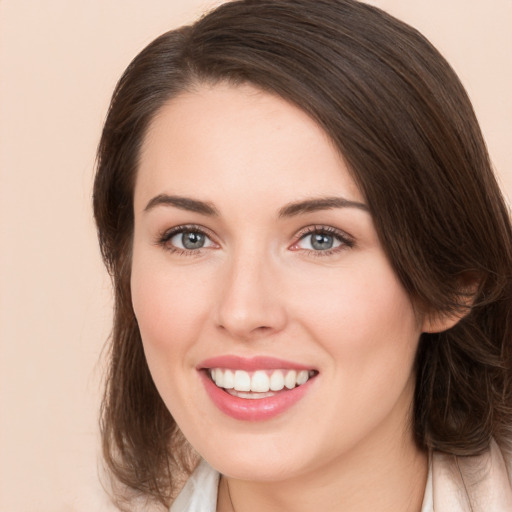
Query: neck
[{"x": 389, "y": 476}]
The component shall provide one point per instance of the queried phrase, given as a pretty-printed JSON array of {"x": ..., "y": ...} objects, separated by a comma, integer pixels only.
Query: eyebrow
[
  {"x": 183, "y": 203},
  {"x": 322, "y": 203},
  {"x": 289, "y": 210}
]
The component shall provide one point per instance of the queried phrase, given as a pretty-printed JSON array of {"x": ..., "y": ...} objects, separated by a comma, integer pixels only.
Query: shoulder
[
  {"x": 480, "y": 483},
  {"x": 200, "y": 491}
]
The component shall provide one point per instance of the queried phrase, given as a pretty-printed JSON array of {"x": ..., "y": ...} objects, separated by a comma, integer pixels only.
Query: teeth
[
  {"x": 291, "y": 379},
  {"x": 260, "y": 381},
  {"x": 218, "y": 377},
  {"x": 249, "y": 395},
  {"x": 242, "y": 381},
  {"x": 229, "y": 380},
  {"x": 277, "y": 381},
  {"x": 302, "y": 377}
]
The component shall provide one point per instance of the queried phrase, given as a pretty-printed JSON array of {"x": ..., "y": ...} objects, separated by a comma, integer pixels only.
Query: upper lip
[{"x": 250, "y": 363}]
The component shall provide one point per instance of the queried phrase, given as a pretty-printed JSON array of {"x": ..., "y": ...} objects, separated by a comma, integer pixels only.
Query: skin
[{"x": 259, "y": 288}]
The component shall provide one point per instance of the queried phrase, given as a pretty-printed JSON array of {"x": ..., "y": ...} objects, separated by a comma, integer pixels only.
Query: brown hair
[{"x": 404, "y": 124}]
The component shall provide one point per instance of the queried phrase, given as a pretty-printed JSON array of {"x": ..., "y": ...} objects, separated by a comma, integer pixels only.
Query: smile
[
  {"x": 259, "y": 383},
  {"x": 255, "y": 389}
]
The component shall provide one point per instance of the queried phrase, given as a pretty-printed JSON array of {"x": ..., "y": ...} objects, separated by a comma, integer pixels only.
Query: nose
[{"x": 251, "y": 303}]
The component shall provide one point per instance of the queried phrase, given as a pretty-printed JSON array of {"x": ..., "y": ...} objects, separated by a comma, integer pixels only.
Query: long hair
[{"x": 402, "y": 121}]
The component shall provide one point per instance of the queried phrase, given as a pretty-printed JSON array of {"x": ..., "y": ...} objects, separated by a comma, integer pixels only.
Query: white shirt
[{"x": 454, "y": 484}]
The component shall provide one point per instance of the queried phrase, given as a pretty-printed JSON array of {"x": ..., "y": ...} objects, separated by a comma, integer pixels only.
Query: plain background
[{"x": 59, "y": 62}]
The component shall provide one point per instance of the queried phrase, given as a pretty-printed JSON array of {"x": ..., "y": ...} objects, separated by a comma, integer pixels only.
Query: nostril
[{"x": 245, "y": 332}]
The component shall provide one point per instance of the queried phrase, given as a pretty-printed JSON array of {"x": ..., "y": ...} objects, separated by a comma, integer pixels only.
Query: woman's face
[{"x": 255, "y": 259}]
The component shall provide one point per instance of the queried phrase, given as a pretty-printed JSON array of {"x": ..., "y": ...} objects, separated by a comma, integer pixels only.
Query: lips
[{"x": 254, "y": 389}]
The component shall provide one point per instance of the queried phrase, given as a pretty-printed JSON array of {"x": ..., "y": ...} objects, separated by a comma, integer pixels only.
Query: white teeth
[
  {"x": 249, "y": 395},
  {"x": 302, "y": 378},
  {"x": 229, "y": 380},
  {"x": 291, "y": 379},
  {"x": 277, "y": 381},
  {"x": 218, "y": 377},
  {"x": 261, "y": 381},
  {"x": 242, "y": 381}
]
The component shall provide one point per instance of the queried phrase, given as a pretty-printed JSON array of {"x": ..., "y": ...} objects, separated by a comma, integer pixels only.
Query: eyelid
[
  {"x": 347, "y": 241},
  {"x": 165, "y": 236}
]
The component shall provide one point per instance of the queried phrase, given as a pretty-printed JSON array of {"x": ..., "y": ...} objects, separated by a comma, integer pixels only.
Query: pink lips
[
  {"x": 252, "y": 409},
  {"x": 250, "y": 364}
]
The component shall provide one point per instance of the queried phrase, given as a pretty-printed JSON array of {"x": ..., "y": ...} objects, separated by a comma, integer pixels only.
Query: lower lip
[{"x": 257, "y": 409}]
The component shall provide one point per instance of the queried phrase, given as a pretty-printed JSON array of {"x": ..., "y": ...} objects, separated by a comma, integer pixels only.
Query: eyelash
[
  {"x": 166, "y": 236},
  {"x": 346, "y": 241}
]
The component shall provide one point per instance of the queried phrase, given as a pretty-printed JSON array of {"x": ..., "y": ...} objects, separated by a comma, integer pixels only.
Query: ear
[{"x": 436, "y": 321}]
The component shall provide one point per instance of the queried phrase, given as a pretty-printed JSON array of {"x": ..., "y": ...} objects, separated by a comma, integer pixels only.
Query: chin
[
  {"x": 258, "y": 457},
  {"x": 262, "y": 469}
]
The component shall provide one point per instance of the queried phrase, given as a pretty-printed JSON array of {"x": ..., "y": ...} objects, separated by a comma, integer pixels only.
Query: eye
[
  {"x": 185, "y": 239},
  {"x": 190, "y": 240},
  {"x": 319, "y": 242},
  {"x": 322, "y": 239}
]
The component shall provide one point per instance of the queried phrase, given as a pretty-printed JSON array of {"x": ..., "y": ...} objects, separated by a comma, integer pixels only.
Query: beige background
[{"x": 59, "y": 61}]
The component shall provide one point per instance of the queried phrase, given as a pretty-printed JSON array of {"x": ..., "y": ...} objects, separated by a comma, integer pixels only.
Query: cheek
[
  {"x": 170, "y": 315},
  {"x": 170, "y": 306},
  {"x": 366, "y": 302},
  {"x": 366, "y": 323}
]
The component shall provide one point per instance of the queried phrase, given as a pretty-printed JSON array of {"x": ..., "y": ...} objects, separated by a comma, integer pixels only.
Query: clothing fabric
[
  {"x": 454, "y": 484},
  {"x": 200, "y": 492}
]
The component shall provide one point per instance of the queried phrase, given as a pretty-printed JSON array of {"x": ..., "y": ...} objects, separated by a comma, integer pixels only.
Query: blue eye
[
  {"x": 189, "y": 240},
  {"x": 322, "y": 240},
  {"x": 319, "y": 242},
  {"x": 185, "y": 238}
]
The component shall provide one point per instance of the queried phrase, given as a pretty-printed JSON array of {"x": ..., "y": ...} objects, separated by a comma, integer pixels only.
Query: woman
[{"x": 311, "y": 260}]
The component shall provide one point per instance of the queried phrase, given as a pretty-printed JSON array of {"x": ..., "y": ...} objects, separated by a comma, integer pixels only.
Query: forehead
[{"x": 242, "y": 139}]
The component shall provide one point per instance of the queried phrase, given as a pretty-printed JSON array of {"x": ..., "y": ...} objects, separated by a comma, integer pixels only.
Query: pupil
[
  {"x": 193, "y": 240},
  {"x": 321, "y": 241}
]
